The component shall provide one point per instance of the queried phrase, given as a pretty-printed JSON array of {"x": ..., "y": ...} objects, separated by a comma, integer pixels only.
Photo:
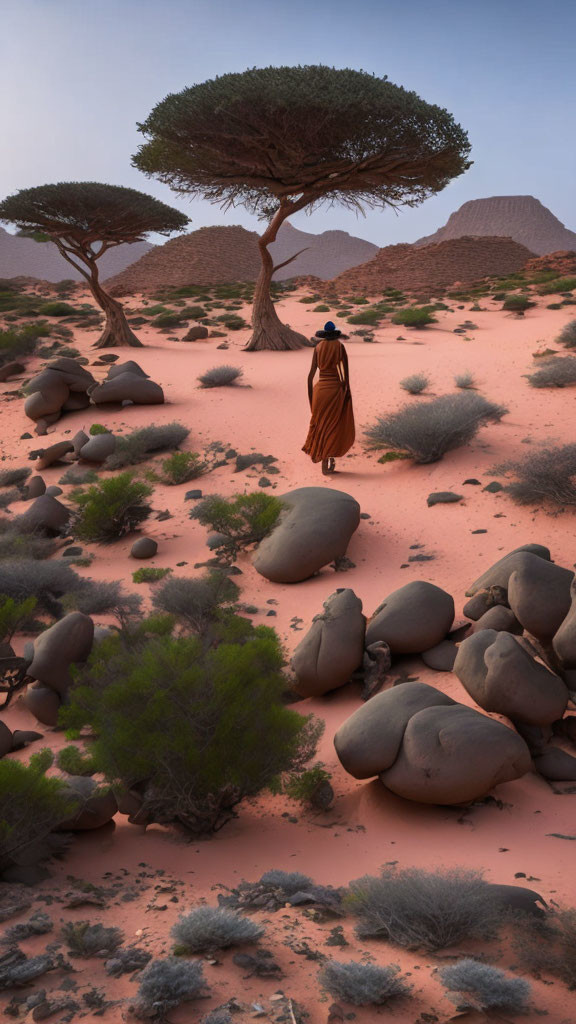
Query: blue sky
[{"x": 75, "y": 77}]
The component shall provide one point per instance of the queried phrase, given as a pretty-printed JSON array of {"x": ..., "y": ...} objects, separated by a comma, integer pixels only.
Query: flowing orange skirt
[{"x": 332, "y": 430}]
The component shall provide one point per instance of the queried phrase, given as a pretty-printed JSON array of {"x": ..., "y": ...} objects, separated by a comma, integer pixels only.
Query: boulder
[
  {"x": 65, "y": 643},
  {"x": 22, "y": 737},
  {"x": 5, "y": 739},
  {"x": 79, "y": 440},
  {"x": 39, "y": 408},
  {"x": 76, "y": 401},
  {"x": 76, "y": 376},
  {"x": 454, "y": 755},
  {"x": 127, "y": 386},
  {"x": 369, "y": 741},
  {"x": 499, "y": 573},
  {"x": 483, "y": 601},
  {"x": 53, "y": 491},
  {"x": 55, "y": 453},
  {"x": 517, "y": 897},
  {"x": 43, "y": 703},
  {"x": 98, "y": 448},
  {"x": 498, "y": 618},
  {"x": 128, "y": 367},
  {"x": 11, "y": 369},
  {"x": 144, "y": 547},
  {"x": 564, "y": 642},
  {"x": 441, "y": 657},
  {"x": 46, "y": 514},
  {"x": 556, "y": 765},
  {"x": 539, "y": 596},
  {"x": 500, "y": 674},
  {"x": 313, "y": 530},
  {"x": 196, "y": 333},
  {"x": 412, "y": 619},
  {"x": 35, "y": 488},
  {"x": 333, "y": 646},
  {"x": 96, "y": 809}
]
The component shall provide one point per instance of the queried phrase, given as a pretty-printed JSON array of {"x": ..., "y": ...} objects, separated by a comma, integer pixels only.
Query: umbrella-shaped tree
[
  {"x": 84, "y": 219},
  {"x": 279, "y": 140}
]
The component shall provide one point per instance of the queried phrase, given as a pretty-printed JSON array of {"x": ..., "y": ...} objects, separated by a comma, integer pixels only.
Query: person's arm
[
  {"x": 313, "y": 369},
  {"x": 346, "y": 381}
]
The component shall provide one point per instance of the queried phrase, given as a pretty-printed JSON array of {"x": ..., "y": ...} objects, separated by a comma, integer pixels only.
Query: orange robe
[{"x": 332, "y": 431}]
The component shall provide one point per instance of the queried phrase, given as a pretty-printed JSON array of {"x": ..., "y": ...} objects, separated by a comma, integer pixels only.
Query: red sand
[{"x": 367, "y": 827}]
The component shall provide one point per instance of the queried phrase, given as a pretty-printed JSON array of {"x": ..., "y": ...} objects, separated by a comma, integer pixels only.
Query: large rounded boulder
[
  {"x": 46, "y": 515},
  {"x": 369, "y": 741},
  {"x": 312, "y": 531},
  {"x": 412, "y": 619},
  {"x": 564, "y": 641},
  {"x": 67, "y": 642},
  {"x": 499, "y": 573},
  {"x": 500, "y": 674},
  {"x": 96, "y": 807},
  {"x": 539, "y": 596},
  {"x": 333, "y": 646},
  {"x": 126, "y": 387}
]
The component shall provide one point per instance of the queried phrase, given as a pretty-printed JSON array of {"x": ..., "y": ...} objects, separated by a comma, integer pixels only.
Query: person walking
[{"x": 332, "y": 431}]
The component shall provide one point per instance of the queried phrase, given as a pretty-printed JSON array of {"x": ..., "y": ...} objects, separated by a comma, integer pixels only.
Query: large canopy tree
[
  {"x": 84, "y": 219},
  {"x": 279, "y": 140}
]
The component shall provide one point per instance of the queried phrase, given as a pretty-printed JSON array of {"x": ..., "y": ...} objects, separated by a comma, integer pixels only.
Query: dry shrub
[
  {"x": 210, "y": 928},
  {"x": 554, "y": 373},
  {"x": 477, "y": 986},
  {"x": 362, "y": 984},
  {"x": 549, "y": 946},
  {"x": 567, "y": 336},
  {"x": 220, "y": 377},
  {"x": 547, "y": 476},
  {"x": 415, "y": 384},
  {"x": 165, "y": 984}
]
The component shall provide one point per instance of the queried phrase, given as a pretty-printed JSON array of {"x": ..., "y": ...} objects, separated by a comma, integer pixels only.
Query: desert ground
[{"x": 147, "y": 878}]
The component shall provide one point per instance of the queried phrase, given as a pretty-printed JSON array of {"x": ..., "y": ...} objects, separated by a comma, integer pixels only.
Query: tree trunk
[
  {"x": 117, "y": 331},
  {"x": 268, "y": 330}
]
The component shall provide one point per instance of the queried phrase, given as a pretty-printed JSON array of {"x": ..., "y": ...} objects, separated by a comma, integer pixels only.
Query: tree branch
[{"x": 277, "y": 266}]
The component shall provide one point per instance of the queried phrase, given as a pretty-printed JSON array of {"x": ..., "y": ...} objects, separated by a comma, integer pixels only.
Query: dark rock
[
  {"x": 35, "y": 488},
  {"x": 472, "y": 481},
  {"x": 442, "y": 498},
  {"x": 23, "y": 737},
  {"x": 412, "y": 619},
  {"x": 493, "y": 487},
  {"x": 564, "y": 641},
  {"x": 46, "y": 515},
  {"x": 500, "y": 619},
  {"x": 72, "y": 552},
  {"x": 483, "y": 600},
  {"x": 518, "y": 898},
  {"x": 556, "y": 765},
  {"x": 196, "y": 333},
  {"x": 55, "y": 453},
  {"x": 11, "y": 370},
  {"x": 128, "y": 367},
  {"x": 43, "y": 702},
  {"x": 53, "y": 491},
  {"x": 97, "y": 808},
  {"x": 192, "y": 495},
  {"x": 333, "y": 646},
  {"x": 67, "y": 642},
  {"x": 441, "y": 657},
  {"x": 98, "y": 448},
  {"x": 499, "y": 573},
  {"x": 79, "y": 440},
  {"x": 144, "y": 547},
  {"x": 6, "y": 742},
  {"x": 133, "y": 387},
  {"x": 539, "y": 596},
  {"x": 264, "y": 482},
  {"x": 253, "y": 459}
]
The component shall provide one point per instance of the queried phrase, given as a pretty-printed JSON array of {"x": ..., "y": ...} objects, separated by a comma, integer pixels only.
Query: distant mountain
[
  {"x": 522, "y": 218},
  {"x": 216, "y": 255},
  {"x": 23, "y": 257},
  {"x": 439, "y": 265}
]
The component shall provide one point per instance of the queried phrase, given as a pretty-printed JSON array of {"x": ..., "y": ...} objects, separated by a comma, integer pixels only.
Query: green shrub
[
  {"x": 14, "y": 615},
  {"x": 244, "y": 518},
  {"x": 517, "y": 303},
  {"x": 310, "y": 298},
  {"x": 74, "y": 761},
  {"x": 191, "y": 729},
  {"x": 311, "y": 787},
  {"x": 15, "y": 343},
  {"x": 567, "y": 336},
  {"x": 425, "y": 431},
  {"x": 198, "y": 602},
  {"x": 220, "y": 376},
  {"x": 98, "y": 428},
  {"x": 367, "y": 316},
  {"x": 180, "y": 467},
  {"x": 110, "y": 509},
  {"x": 149, "y": 575},
  {"x": 31, "y": 806},
  {"x": 321, "y": 309},
  {"x": 140, "y": 444},
  {"x": 414, "y": 317},
  {"x": 415, "y": 384},
  {"x": 232, "y": 322},
  {"x": 171, "y": 319},
  {"x": 57, "y": 309},
  {"x": 86, "y": 940},
  {"x": 560, "y": 284}
]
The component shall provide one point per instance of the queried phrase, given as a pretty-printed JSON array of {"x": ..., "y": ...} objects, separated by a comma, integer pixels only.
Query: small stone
[
  {"x": 365, "y": 515},
  {"x": 223, "y": 345},
  {"x": 192, "y": 495},
  {"x": 442, "y": 498},
  {"x": 144, "y": 547},
  {"x": 180, "y": 564},
  {"x": 479, "y": 531},
  {"x": 421, "y": 558},
  {"x": 473, "y": 481},
  {"x": 264, "y": 482},
  {"x": 493, "y": 487},
  {"x": 25, "y": 437},
  {"x": 162, "y": 516},
  {"x": 53, "y": 490},
  {"x": 271, "y": 612},
  {"x": 72, "y": 552}
]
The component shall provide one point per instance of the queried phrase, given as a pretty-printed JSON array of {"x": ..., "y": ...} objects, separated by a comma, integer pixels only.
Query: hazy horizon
[{"x": 78, "y": 81}]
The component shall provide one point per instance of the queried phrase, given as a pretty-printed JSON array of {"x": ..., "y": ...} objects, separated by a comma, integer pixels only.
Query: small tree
[
  {"x": 111, "y": 508},
  {"x": 84, "y": 219},
  {"x": 279, "y": 140}
]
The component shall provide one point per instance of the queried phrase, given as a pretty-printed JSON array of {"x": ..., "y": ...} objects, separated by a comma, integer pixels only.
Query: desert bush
[
  {"x": 232, "y": 321},
  {"x": 110, "y": 509},
  {"x": 47, "y": 581},
  {"x": 465, "y": 380},
  {"x": 288, "y": 882},
  {"x": 137, "y": 446},
  {"x": 38, "y": 924},
  {"x": 180, "y": 467},
  {"x": 74, "y": 761},
  {"x": 170, "y": 319},
  {"x": 14, "y": 615},
  {"x": 211, "y": 928},
  {"x": 244, "y": 518},
  {"x": 517, "y": 303},
  {"x": 321, "y": 309},
  {"x": 15, "y": 544},
  {"x": 560, "y": 284},
  {"x": 547, "y": 476},
  {"x": 427, "y": 430},
  {"x": 414, "y": 317},
  {"x": 127, "y": 960},
  {"x": 366, "y": 316},
  {"x": 362, "y": 984},
  {"x": 166, "y": 984},
  {"x": 98, "y": 428},
  {"x": 554, "y": 305},
  {"x": 31, "y": 806},
  {"x": 15, "y": 343},
  {"x": 554, "y": 373},
  {"x": 100, "y": 597},
  {"x": 14, "y": 477},
  {"x": 197, "y": 602},
  {"x": 477, "y": 986},
  {"x": 567, "y": 336},
  {"x": 77, "y": 476},
  {"x": 549, "y": 946},
  {"x": 56, "y": 308},
  {"x": 220, "y": 376},
  {"x": 149, "y": 575},
  {"x": 8, "y": 497},
  {"x": 193, "y": 728},
  {"x": 86, "y": 940},
  {"x": 415, "y": 384},
  {"x": 308, "y": 787},
  {"x": 424, "y": 909}
]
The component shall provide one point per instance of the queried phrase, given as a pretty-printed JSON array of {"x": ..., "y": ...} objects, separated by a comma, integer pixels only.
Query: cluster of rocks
[
  {"x": 515, "y": 657},
  {"x": 312, "y": 531},
  {"x": 64, "y": 385},
  {"x": 50, "y": 656}
]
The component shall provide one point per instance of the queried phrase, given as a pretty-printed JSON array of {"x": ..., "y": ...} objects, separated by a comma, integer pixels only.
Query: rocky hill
[
  {"x": 23, "y": 257},
  {"x": 440, "y": 265},
  {"x": 522, "y": 218},
  {"x": 563, "y": 262},
  {"x": 215, "y": 255}
]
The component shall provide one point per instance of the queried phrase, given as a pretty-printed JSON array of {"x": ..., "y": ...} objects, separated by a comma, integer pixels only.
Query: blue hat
[
  {"x": 329, "y": 331},
  {"x": 329, "y": 326}
]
